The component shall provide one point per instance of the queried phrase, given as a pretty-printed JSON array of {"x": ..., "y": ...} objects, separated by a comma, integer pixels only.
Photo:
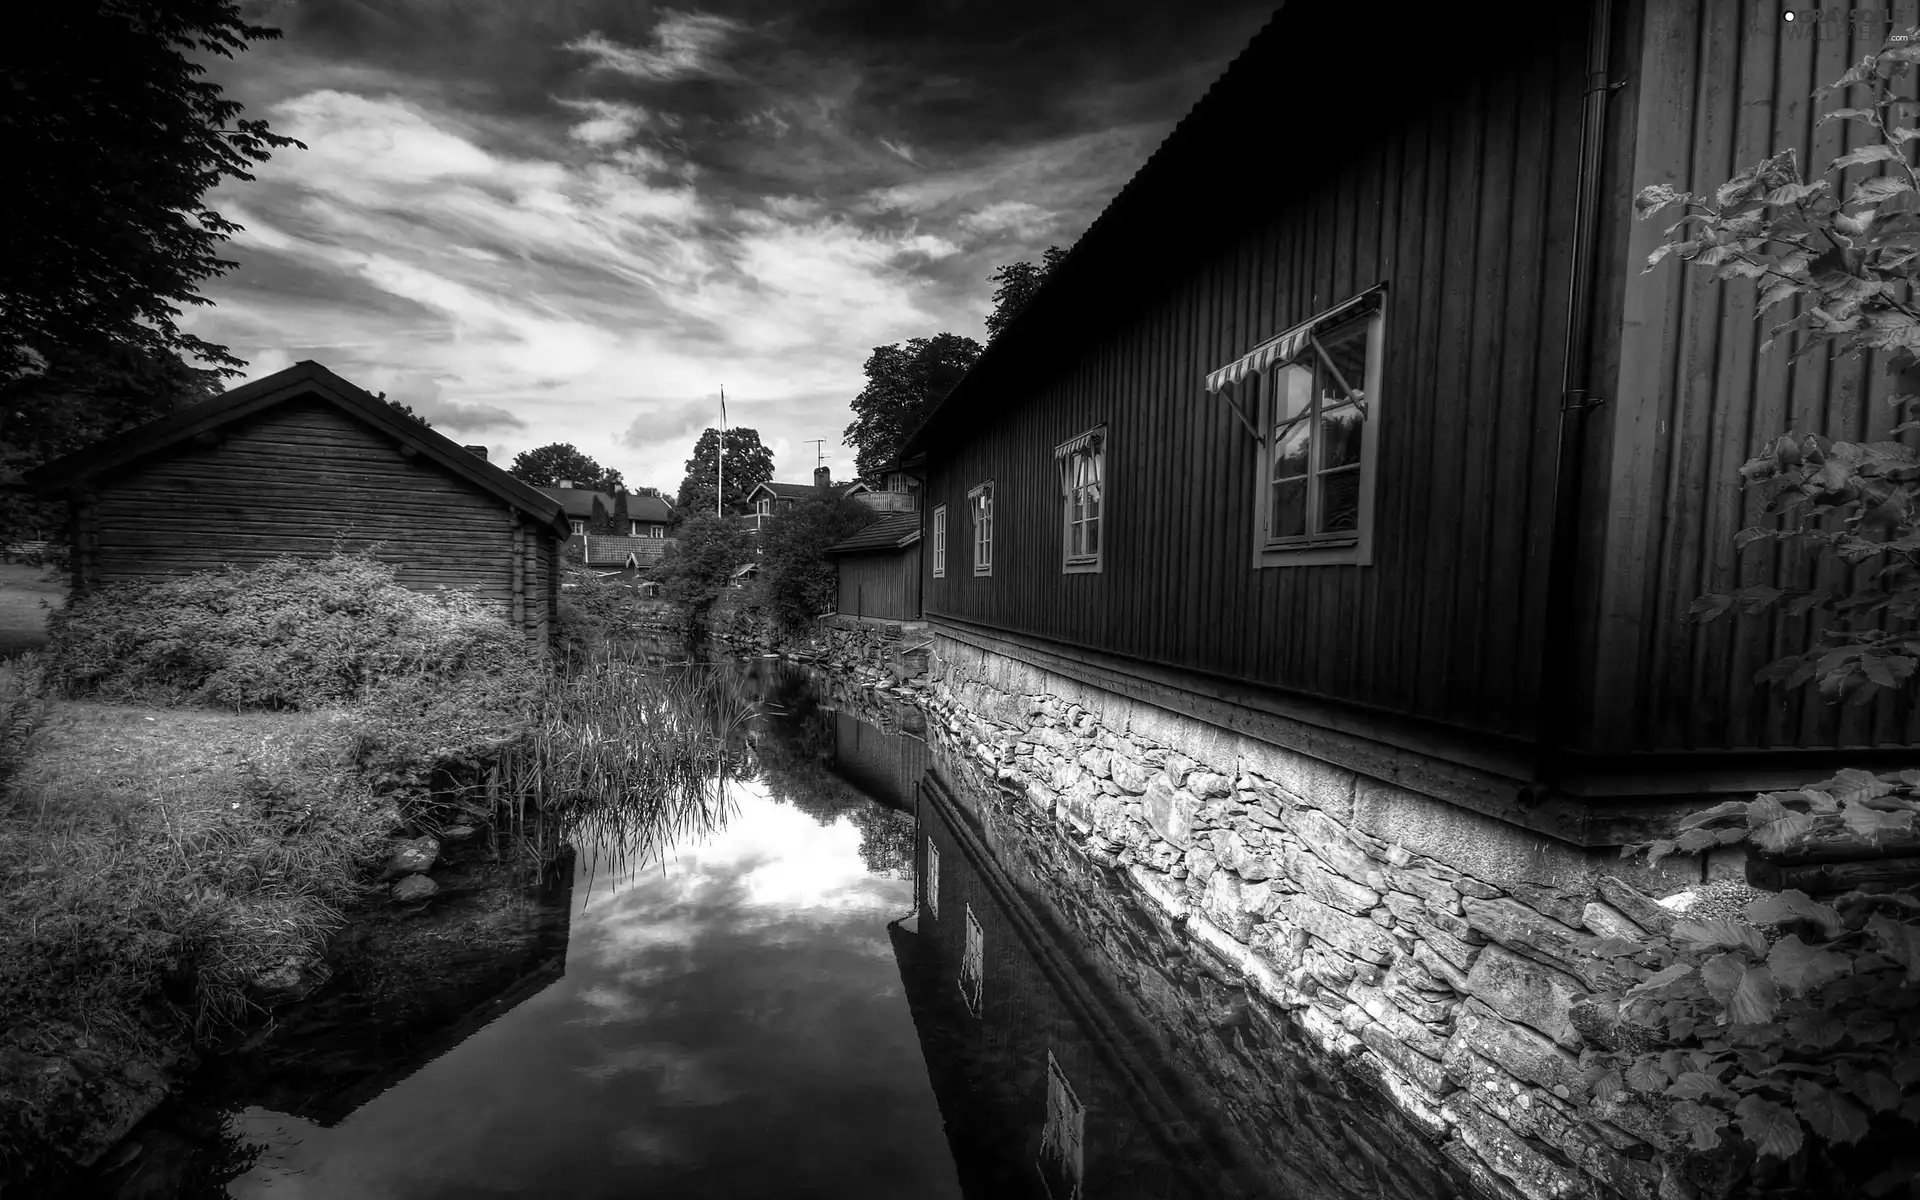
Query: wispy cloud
[{"x": 683, "y": 44}]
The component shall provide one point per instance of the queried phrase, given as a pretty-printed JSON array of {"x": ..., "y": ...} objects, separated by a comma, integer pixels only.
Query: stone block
[
  {"x": 1097, "y": 763},
  {"x": 1405, "y": 909},
  {"x": 1605, "y": 920},
  {"x": 1130, "y": 775},
  {"x": 1250, "y": 862},
  {"x": 1311, "y": 877},
  {"x": 1406, "y": 1028},
  {"x": 1441, "y": 967},
  {"x": 1426, "y": 1073},
  {"x": 1042, "y": 797},
  {"x": 1437, "y": 893},
  {"x": 1523, "y": 990},
  {"x": 1455, "y": 950},
  {"x": 1330, "y": 840},
  {"x": 1223, "y": 903},
  {"x": 1635, "y": 905},
  {"x": 1208, "y": 785},
  {"x": 1563, "y": 903},
  {"x": 1533, "y": 1172},
  {"x": 1171, "y": 811},
  {"x": 1518, "y": 1050},
  {"x": 1537, "y": 936},
  {"x": 1434, "y": 1008},
  {"x": 1348, "y": 934},
  {"x": 1177, "y": 767}
]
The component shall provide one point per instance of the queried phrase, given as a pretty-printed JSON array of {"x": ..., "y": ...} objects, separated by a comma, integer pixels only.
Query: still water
[{"x": 855, "y": 980}]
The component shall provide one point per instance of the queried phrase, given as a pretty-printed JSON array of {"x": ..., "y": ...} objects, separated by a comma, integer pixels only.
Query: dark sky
[{"x": 573, "y": 220}]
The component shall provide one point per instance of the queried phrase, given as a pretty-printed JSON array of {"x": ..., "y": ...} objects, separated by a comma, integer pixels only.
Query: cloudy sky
[{"x": 574, "y": 220}]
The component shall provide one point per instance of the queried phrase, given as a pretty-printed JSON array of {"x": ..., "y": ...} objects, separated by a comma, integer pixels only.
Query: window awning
[
  {"x": 1090, "y": 439},
  {"x": 1285, "y": 346}
]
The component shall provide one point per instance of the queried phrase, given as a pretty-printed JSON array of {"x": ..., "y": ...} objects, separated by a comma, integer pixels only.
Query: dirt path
[{"x": 25, "y": 595}]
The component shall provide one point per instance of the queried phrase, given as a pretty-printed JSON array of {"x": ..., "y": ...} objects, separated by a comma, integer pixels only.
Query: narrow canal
[{"x": 852, "y": 976}]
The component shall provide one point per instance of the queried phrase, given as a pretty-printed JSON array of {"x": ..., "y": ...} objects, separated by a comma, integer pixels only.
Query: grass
[{"x": 170, "y": 855}]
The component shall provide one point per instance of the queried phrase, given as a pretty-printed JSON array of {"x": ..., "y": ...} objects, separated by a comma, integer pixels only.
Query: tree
[
  {"x": 113, "y": 136},
  {"x": 748, "y": 465},
  {"x": 696, "y": 569},
  {"x": 406, "y": 410},
  {"x": 562, "y": 462},
  {"x": 76, "y": 399},
  {"x": 1018, "y": 283},
  {"x": 904, "y": 383},
  {"x": 797, "y": 580}
]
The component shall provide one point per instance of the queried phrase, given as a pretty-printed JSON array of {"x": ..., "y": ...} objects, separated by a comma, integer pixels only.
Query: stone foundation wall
[{"x": 1438, "y": 952}]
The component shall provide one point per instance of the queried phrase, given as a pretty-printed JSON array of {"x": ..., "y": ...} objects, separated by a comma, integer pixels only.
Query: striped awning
[
  {"x": 1091, "y": 438},
  {"x": 1282, "y": 348}
]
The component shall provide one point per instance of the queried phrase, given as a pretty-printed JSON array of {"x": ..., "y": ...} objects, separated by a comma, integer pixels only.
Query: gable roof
[
  {"x": 895, "y": 531},
  {"x": 649, "y": 508},
  {"x": 577, "y": 503},
  {"x": 786, "y": 491},
  {"x": 300, "y": 381}
]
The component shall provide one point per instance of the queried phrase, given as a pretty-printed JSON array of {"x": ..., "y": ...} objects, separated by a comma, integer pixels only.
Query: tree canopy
[
  {"x": 113, "y": 137},
  {"x": 797, "y": 580},
  {"x": 748, "y": 465},
  {"x": 1018, "y": 283},
  {"x": 562, "y": 462},
  {"x": 697, "y": 567},
  {"x": 904, "y": 382}
]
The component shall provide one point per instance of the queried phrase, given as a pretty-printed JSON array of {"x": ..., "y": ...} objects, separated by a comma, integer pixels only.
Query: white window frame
[
  {"x": 1090, "y": 447},
  {"x": 1256, "y": 397},
  {"x": 579, "y": 527},
  {"x": 980, "y": 506},
  {"x": 940, "y": 541},
  {"x": 763, "y": 507}
]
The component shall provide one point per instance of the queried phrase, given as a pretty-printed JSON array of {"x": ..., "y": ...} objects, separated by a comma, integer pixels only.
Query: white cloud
[
  {"x": 684, "y": 44},
  {"x": 607, "y": 123}
]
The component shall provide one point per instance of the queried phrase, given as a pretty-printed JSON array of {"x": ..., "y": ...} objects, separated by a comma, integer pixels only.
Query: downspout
[{"x": 1558, "y": 657}]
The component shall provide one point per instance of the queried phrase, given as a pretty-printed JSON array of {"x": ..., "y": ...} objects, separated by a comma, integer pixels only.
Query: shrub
[
  {"x": 697, "y": 568},
  {"x": 594, "y": 611},
  {"x": 293, "y": 633}
]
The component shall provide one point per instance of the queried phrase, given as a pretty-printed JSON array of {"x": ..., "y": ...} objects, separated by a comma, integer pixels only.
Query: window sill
[
  {"x": 983, "y": 572},
  {"x": 1313, "y": 554},
  {"x": 1089, "y": 566}
]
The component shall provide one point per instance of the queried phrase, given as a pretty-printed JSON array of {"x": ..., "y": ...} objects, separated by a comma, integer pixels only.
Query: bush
[
  {"x": 699, "y": 565},
  {"x": 294, "y": 633},
  {"x": 593, "y": 612}
]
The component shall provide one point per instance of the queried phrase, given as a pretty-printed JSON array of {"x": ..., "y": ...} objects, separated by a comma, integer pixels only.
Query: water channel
[{"x": 859, "y": 977}]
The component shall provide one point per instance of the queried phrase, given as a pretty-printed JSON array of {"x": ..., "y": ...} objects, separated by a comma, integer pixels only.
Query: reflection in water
[{"x": 857, "y": 976}]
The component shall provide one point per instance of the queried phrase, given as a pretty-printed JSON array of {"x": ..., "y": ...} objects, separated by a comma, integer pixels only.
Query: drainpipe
[{"x": 1558, "y": 659}]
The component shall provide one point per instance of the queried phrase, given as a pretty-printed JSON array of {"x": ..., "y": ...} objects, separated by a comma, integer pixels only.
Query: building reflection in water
[{"x": 1044, "y": 1092}]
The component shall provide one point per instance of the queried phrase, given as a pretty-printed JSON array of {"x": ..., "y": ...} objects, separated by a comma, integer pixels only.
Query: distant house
[
  {"x": 743, "y": 575},
  {"x": 895, "y": 487},
  {"x": 768, "y": 500},
  {"x": 619, "y": 534},
  {"x": 294, "y": 464},
  {"x": 879, "y": 570}
]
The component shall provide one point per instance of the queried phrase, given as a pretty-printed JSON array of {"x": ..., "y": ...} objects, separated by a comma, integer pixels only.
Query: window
[
  {"x": 980, "y": 500},
  {"x": 1313, "y": 395},
  {"x": 764, "y": 507},
  {"x": 579, "y": 528},
  {"x": 940, "y": 541},
  {"x": 1082, "y": 463}
]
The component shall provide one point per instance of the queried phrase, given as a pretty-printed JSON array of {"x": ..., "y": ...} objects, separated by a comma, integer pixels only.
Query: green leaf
[
  {"x": 1829, "y": 1114},
  {"x": 1706, "y": 608},
  {"x": 1855, "y": 784},
  {"x": 1645, "y": 1075},
  {"x": 1747, "y": 992},
  {"x": 1795, "y": 905},
  {"x": 1697, "y": 1085},
  {"x": 1818, "y": 1029},
  {"x": 1701, "y": 1124},
  {"x": 1872, "y": 823},
  {"x": 1900, "y": 941},
  {"x": 1778, "y": 835},
  {"x": 1657, "y": 196},
  {"x": 1799, "y": 967},
  {"x": 1660, "y": 979},
  {"x": 1772, "y": 1128},
  {"x": 1875, "y": 1088},
  {"x": 1716, "y": 932},
  {"x": 1872, "y": 153},
  {"x": 1725, "y": 809}
]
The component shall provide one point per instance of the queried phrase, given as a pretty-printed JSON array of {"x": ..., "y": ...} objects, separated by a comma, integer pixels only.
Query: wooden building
[
  {"x": 298, "y": 463},
  {"x": 879, "y": 570},
  {"x": 1354, "y": 425}
]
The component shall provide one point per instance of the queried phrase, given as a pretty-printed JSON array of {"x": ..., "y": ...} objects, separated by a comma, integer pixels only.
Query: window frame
[
  {"x": 1346, "y": 548},
  {"x": 939, "y": 541},
  {"x": 980, "y": 500},
  {"x": 579, "y": 526},
  {"x": 1091, "y": 444}
]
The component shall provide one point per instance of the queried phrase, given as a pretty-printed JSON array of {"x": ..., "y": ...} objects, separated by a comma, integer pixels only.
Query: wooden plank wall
[
  {"x": 880, "y": 585},
  {"x": 292, "y": 481},
  {"x": 1463, "y": 208},
  {"x": 1725, "y": 84}
]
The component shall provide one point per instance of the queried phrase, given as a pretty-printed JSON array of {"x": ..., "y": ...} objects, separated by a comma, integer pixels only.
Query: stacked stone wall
[{"x": 1438, "y": 952}]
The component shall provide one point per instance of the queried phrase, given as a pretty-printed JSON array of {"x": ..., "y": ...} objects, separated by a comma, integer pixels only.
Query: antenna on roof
[{"x": 818, "y": 445}]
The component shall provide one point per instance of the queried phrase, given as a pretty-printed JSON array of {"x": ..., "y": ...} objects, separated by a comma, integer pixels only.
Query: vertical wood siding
[
  {"x": 295, "y": 480},
  {"x": 1725, "y": 83},
  {"x": 1462, "y": 207},
  {"x": 882, "y": 585}
]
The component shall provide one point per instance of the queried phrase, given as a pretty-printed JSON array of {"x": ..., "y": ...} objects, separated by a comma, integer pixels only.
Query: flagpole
[{"x": 720, "y": 460}]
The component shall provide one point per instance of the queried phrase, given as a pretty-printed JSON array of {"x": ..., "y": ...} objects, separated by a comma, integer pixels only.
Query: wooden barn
[
  {"x": 298, "y": 463},
  {"x": 880, "y": 570},
  {"x": 1355, "y": 426}
]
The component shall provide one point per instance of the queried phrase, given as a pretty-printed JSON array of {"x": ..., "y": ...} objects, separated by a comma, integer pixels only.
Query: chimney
[
  {"x": 564, "y": 483},
  {"x": 479, "y": 452},
  {"x": 823, "y": 477}
]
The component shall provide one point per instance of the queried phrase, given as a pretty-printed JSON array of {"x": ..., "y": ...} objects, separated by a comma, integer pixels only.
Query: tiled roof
[
  {"x": 613, "y": 551},
  {"x": 895, "y": 531},
  {"x": 578, "y": 502},
  {"x": 648, "y": 508}
]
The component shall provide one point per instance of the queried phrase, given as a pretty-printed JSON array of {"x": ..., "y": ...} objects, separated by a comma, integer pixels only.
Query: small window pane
[
  {"x": 1340, "y": 430},
  {"x": 1093, "y": 537},
  {"x": 1340, "y": 501},
  {"x": 1294, "y": 392},
  {"x": 1289, "y": 508},
  {"x": 1346, "y": 345},
  {"x": 1293, "y": 445}
]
